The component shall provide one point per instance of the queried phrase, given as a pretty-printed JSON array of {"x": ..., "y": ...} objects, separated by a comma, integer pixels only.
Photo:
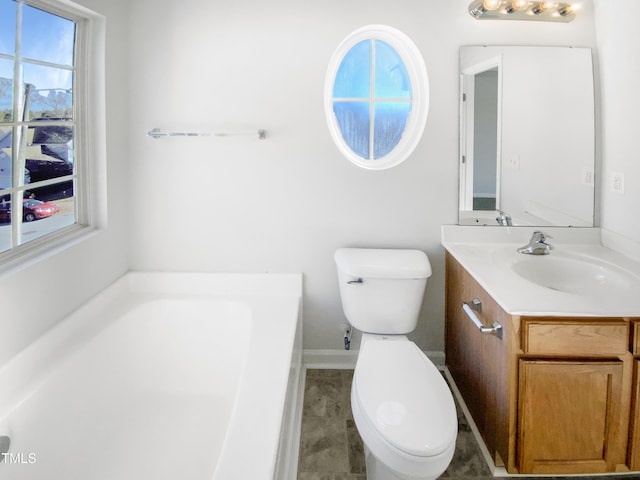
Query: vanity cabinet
[
  {"x": 634, "y": 437},
  {"x": 478, "y": 362},
  {"x": 554, "y": 395}
]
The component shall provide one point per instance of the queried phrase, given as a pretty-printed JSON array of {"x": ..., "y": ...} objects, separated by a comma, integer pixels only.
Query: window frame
[
  {"x": 89, "y": 137},
  {"x": 417, "y": 71}
]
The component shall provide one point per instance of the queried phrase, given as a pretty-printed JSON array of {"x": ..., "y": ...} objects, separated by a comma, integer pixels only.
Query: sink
[
  {"x": 576, "y": 274},
  {"x": 581, "y": 277}
]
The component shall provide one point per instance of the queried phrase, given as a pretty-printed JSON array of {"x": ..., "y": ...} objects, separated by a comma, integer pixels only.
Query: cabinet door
[
  {"x": 568, "y": 416},
  {"x": 634, "y": 446},
  {"x": 476, "y": 360}
]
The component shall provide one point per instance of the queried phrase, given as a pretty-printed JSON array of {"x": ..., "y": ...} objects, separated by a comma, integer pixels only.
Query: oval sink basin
[{"x": 575, "y": 275}]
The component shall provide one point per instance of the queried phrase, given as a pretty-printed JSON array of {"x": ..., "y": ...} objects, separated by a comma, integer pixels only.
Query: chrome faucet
[
  {"x": 503, "y": 219},
  {"x": 537, "y": 245}
]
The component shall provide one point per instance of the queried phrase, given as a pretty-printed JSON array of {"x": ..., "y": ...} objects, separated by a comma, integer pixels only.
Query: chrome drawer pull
[{"x": 495, "y": 329}]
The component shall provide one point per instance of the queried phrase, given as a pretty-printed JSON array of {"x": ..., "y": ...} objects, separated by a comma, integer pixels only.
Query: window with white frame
[
  {"x": 45, "y": 77},
  {"x": 376, "y": 97}
]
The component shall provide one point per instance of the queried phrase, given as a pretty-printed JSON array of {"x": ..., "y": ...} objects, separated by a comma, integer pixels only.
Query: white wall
[
  {"x": 36, "y": 297},
  {"x": 619, "y": 54},
  {"x": 286, "y": 203}
]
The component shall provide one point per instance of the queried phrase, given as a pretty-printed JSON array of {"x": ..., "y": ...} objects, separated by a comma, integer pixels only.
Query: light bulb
[
  {"x": 568, "y": 9},
  {"x": 544, "y": 6},
  {"x": 491, "y": 4},
  {"x": 519, "y": 4}
]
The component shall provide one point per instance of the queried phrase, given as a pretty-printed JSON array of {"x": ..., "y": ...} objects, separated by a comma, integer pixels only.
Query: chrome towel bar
[{"x": 157, "y": 133}]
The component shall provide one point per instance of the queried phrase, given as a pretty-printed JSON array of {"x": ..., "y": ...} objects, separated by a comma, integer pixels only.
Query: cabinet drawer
[{"x": 574, "y": 337}]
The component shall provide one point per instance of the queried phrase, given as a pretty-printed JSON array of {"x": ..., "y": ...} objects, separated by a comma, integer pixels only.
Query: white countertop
[{"x": 489, "y": 254}]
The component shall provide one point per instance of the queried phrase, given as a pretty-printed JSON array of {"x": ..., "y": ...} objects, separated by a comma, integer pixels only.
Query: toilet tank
[{"x": 382, "y": 289}]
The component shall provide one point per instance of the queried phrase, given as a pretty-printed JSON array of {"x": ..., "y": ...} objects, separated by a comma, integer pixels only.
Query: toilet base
[{"x": 376, "y": 470}]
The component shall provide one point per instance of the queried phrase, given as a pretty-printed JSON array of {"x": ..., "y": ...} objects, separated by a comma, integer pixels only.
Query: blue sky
[{"x": 45, "y": 37}]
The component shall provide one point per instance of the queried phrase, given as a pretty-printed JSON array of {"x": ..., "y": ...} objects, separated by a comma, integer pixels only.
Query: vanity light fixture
[{"x": 546, "y": 11}]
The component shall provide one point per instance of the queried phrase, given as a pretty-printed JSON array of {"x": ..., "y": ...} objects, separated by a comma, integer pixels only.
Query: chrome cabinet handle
[{"x": 495, "y": 329}]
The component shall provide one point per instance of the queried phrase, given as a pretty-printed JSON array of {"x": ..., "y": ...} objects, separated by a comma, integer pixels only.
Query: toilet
[{"x": 401, "y": 404}]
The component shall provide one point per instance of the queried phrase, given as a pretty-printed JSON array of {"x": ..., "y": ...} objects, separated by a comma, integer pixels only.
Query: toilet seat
[{"x": 404, "y": 397}]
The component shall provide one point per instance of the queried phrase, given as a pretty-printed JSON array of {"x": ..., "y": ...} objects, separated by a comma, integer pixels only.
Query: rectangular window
[{"x": 44, "y": 164}]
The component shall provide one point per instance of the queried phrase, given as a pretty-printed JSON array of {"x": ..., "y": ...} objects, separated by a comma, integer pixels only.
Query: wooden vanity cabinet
[
  {"x": 553, "y": 396},
  {"x": 634, "y": 436},
  {"x": 479, "y": 363}
]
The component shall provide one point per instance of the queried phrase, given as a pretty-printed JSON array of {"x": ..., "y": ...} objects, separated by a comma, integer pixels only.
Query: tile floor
[{"x": 331, "y": 449}]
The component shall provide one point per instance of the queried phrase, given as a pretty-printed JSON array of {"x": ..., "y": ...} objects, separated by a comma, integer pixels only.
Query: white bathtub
[{"x": 161, "y": 376}]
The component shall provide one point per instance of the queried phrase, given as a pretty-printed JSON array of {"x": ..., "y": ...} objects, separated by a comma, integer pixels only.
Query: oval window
[{"x": 376, "y": 97}]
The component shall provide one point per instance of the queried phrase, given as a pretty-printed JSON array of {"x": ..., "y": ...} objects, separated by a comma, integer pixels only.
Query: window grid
[
  {"x": 372, "y": 94},
  {"x": 372, "y": 99},
  {"x": 19, "y": 126}
]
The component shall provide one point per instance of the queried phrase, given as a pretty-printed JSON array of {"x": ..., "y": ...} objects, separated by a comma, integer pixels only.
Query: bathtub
[{"x": 161, "y": 376}]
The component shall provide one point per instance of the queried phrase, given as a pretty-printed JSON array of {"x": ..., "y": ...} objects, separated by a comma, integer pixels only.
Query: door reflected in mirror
[{"x": 527, "y": 144}]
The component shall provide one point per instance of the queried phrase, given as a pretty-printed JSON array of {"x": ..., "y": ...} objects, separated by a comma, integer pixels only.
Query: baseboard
[
  {"x": 329, "y": 359},
  {"x": 346, "y": 359}
]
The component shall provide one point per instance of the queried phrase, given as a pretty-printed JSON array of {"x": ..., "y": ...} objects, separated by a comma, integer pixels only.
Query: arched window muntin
[{"x": 414, "y": 100}]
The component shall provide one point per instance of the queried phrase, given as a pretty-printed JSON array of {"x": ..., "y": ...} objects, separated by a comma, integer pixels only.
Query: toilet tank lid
[{"x": 383, "y": 263}]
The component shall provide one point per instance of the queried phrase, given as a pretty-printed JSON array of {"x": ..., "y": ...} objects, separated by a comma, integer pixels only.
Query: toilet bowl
[
  {"x": 402, "y": 406},
  {"x": 403, "y": 409}
]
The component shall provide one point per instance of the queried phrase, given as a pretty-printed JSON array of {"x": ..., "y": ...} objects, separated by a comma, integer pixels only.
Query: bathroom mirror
[{"x": 527, "y": 136}]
